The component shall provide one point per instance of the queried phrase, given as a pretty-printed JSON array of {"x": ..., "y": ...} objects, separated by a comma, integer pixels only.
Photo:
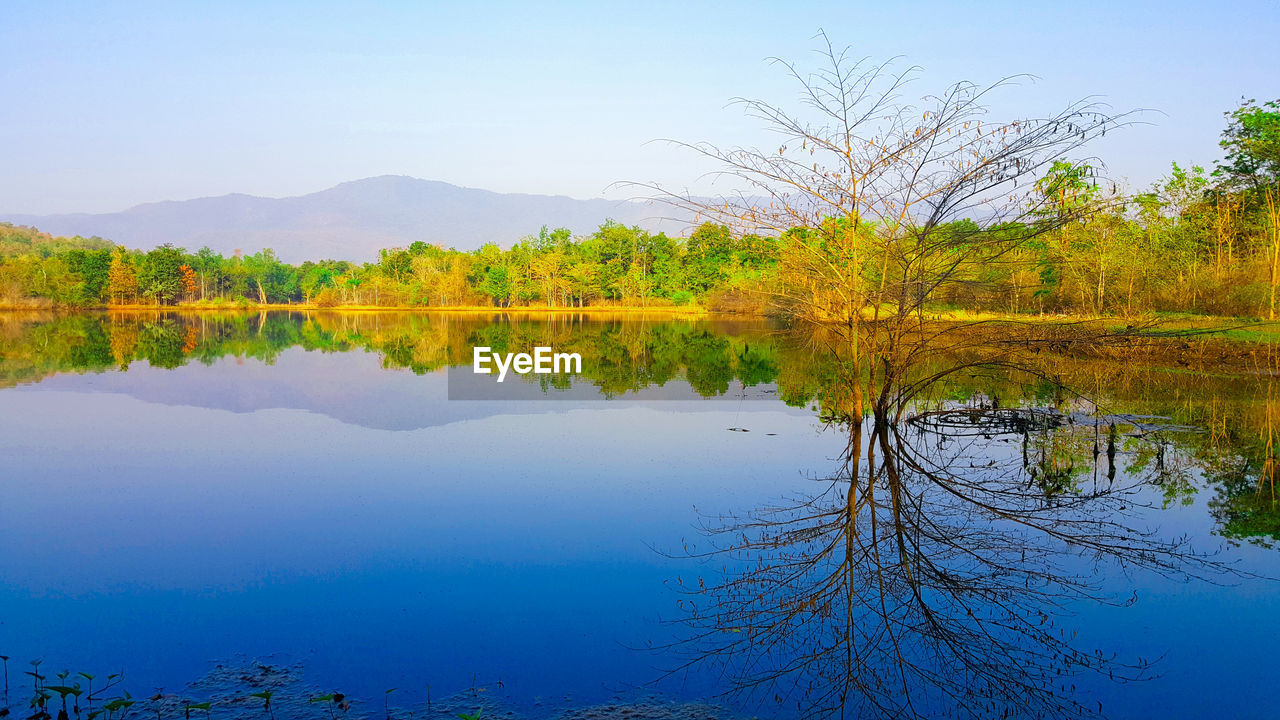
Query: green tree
[
  {"x": 208, "y": 264},
  {"x": 1252, "y": 145},
  {"x": 273, "y": 280},
  {"x": 497, "y": 285},
  {"x": 93, "y": 267},
  {"x": 707, "y": 254},
  {"x": 161, "y": 275}
]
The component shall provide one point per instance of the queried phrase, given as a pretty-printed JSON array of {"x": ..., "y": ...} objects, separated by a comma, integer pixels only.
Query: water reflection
[
  {"x": 1218, "y": 433},
  {"x": 621, "y": 355},
  {"x": 935, "y": 571}
]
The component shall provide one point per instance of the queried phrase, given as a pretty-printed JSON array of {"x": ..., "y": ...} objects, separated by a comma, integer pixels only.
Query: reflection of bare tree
[{"x": 925, "y": 578}]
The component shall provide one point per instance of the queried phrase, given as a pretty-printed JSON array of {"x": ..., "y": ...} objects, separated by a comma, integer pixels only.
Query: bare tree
[{"x": 865, "y": 190}]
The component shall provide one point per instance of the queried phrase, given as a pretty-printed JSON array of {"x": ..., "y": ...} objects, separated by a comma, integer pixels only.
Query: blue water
[
  {"x": 331, "y": 512},
  {"x": 514, "y": 543}
]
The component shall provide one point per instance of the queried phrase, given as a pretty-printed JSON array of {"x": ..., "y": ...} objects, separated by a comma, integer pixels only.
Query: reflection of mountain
[
  {"x": 619, "y": 357},
  {"x": 351, "y": 387},
  {"x": 389, "y": 371}
]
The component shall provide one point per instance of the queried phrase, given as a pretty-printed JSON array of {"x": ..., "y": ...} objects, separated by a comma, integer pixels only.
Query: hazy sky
[{"x": 106, "y": 105}]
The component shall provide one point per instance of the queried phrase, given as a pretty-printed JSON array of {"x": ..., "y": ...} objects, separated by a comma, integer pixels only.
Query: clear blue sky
[{"x": 106, "y": 105}]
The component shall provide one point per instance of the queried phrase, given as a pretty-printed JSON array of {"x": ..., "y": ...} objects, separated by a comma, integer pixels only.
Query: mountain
[{"x": 351, "y": 221}]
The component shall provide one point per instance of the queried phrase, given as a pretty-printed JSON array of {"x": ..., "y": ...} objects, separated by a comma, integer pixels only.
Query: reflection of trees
[
  {"x": 1247, "y": 506},
  {"x": 619, "y": 356},
  {"x": 925, "y": 577},
  {"x": 1235, "y": 455}
]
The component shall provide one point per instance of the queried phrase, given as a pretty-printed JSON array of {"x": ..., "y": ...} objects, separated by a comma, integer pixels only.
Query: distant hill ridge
[{"x": 350, "y": 221}]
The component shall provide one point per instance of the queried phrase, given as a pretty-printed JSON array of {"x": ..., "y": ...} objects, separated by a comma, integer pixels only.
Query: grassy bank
[{"x": 1221, "y": 327}]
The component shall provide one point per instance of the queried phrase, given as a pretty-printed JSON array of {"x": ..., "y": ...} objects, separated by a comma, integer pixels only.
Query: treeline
[
  {"x": 617, "y": 265},
  {"x": 1198, "y": 241}
]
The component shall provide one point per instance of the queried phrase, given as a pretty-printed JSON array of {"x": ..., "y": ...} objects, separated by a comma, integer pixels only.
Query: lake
[{"x": 316, "y": 498}]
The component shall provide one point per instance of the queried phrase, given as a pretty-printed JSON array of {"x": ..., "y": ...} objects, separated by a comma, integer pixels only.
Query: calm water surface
[{"x": 177, "y": 492}]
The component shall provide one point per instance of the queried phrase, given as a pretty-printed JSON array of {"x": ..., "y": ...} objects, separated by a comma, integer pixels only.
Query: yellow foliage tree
[{"x": 122, "y": 281}]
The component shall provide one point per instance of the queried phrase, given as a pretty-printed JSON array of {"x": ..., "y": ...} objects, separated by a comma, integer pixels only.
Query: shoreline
[
  {"x": 472, "y": 309},
  {"x": 1174, "y": 321},
  {"x": 940, "y": 314}
]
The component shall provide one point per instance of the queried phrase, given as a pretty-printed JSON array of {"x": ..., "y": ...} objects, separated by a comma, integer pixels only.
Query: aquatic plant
[
  {"x": 188, "y": 706},
  {"x": 265, "y": 696},
  {"x": 333, "y": 702},
  {"x": 113, "y": 680},
  {"x": 116, "y": 708},
  {"x": 63, "y": 692}
]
